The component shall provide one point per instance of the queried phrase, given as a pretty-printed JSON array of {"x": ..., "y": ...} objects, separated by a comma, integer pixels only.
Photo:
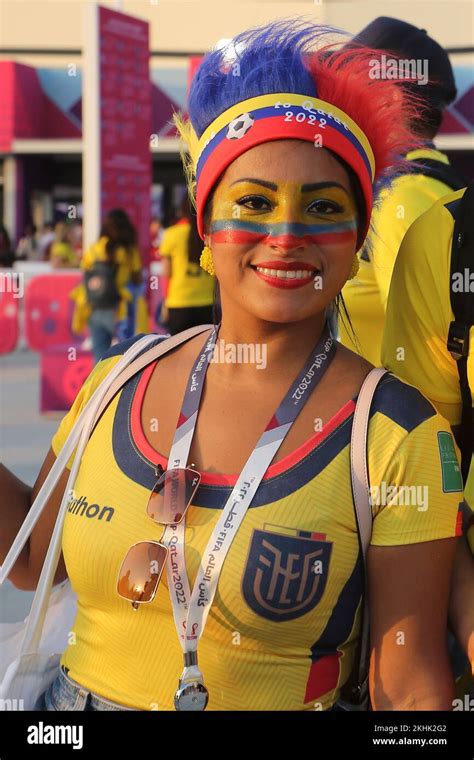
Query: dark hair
[{"x": 120, "y": 232}]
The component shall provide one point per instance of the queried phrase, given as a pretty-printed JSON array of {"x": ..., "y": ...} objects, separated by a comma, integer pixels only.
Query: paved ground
[{"x": 25, "y": 436}]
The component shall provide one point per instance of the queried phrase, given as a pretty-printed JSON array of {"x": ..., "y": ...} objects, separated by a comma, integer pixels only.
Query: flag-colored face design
[
  {"x": 286, "y": 214},
  {"x": 283, "y": 231}
]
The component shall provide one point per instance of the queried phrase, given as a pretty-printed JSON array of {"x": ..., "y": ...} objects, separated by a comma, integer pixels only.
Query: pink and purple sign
[{"x": 125, "y": 119}]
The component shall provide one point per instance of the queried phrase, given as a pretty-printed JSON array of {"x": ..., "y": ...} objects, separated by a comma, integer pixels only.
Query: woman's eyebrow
[
  {"x": 270, "y": 185},
  {"x": 321, "y": 186},
  {"x": 304, "y": 188}
]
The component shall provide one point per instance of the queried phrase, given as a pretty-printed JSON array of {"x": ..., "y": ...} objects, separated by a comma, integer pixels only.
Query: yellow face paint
[{"x": 285, "y": 213}]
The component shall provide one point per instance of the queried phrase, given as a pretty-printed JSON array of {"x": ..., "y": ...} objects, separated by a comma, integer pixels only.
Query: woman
[
  {"x": 190, "y": 296},
  {"x": 110, "y": 265},
  {"x": 27, "y": 248},
  {"x": 62, "y": 254},
  {"x": 282, "y": 216}
]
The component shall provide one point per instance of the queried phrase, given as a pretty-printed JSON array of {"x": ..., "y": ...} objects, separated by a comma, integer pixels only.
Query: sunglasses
[{"x": 141, "y": 570}]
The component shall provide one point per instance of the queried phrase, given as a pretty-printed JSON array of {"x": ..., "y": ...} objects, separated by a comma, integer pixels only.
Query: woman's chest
[
  {"x": 230, "y": 420},
  {"x": 290, "y": 560}
]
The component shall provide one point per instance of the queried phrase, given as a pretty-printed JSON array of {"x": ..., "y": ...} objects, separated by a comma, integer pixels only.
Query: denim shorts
[{"x": 66, "y": 694}]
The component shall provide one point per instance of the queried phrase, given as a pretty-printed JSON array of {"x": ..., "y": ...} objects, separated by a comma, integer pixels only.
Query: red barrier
[
  {"x": 8, "y": 322},
  {"x": 48, "y": 310},
  {"x": 63, "y": 371}
]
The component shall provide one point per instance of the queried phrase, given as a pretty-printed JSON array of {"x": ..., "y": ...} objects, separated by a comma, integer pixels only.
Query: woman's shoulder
[
  {"x": 120, "y": 348},
  {"x": 401, "y": 403},
  {"x": 396, "y": 400}
]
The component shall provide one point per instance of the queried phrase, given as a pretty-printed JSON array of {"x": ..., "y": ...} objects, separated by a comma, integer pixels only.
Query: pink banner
[
  {"x": 8, "y": 321},
  {"x": 125, "y": 119},
  {"x": 48, "y": 310}
]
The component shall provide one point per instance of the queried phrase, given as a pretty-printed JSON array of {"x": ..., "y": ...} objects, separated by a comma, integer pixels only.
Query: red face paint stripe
[{"x": 240, "y": 237}]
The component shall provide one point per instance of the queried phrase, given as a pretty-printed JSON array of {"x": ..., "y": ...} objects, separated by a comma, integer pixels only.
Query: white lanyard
[{"x": 191, "y": 608}]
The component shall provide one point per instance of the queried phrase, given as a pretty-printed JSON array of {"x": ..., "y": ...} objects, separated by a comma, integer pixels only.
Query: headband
[{"x": 280, "y": 116}]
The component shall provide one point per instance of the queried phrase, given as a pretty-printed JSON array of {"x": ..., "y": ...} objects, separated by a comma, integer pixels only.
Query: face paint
[{"x": 288, "y": 215}]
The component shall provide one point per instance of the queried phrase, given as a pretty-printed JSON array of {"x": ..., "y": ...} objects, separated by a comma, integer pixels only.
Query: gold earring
[
  {"x": 206, "y": 261},
  {"x": 354, "y": 268}
]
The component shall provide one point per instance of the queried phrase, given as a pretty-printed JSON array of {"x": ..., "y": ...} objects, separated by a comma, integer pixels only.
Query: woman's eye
[
  {"x": 254, "y": 202},
  {"x": 325, "y": 207}
]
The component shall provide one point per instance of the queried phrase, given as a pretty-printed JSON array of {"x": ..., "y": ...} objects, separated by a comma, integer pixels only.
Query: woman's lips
[{"x": 280, "y": 274}]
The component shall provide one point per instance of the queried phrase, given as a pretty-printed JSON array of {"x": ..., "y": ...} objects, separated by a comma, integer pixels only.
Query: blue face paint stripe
[
  {"x": 262, "y": 113},
  {"x": 294, "y": 228}
]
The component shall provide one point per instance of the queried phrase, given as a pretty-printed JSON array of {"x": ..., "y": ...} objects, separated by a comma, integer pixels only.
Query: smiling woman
[{"x": 260, "y": 566}]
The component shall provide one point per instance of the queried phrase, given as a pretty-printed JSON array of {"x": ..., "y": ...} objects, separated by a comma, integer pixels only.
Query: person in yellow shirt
[
  {"x": 62, "y": 254},
  {"x": 190, "y": 297},
  {"x": 415, "y": 347},
  {"x": 109, "y": 265},
  {"x": 428, "y": 178}
]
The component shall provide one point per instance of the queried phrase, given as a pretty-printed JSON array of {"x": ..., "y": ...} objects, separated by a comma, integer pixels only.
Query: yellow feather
[{"x": 188, "y": 151}]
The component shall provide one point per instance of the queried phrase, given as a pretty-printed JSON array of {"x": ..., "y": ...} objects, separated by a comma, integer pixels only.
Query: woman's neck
[{"x": 247, "y": 346}]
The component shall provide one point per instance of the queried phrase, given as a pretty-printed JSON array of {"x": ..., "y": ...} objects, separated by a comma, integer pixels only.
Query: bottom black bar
[{"x": 221, "y": 734}]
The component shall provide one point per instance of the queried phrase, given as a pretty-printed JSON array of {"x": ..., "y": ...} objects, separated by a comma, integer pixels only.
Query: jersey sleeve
[
  {"x": 414, "y": 341},
  {"x": 420, "y": 495},
  {"x": 167, "y": 243},
  {"x": 90, "y": 385},
  {"x": 87, "y": 258},
  {"x": 397, "y": 208}
]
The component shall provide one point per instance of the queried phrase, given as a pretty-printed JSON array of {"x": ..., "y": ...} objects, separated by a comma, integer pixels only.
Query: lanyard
[{"x": 191, "y": 609}]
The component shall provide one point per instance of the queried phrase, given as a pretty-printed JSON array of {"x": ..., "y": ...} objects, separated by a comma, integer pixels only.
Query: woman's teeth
[{"x": 287, "y": 274}]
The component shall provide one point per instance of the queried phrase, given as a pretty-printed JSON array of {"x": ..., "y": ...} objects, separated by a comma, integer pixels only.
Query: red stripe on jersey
[
  {"x": 208, "y": 478},
  {"x": 323, "y": 676}
]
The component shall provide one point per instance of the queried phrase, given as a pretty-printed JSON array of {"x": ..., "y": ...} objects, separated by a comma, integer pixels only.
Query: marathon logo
[{"x": 81, "y": 507}]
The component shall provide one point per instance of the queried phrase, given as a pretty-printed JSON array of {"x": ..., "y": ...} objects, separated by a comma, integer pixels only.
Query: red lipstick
[{"x": 288, "y": 266}]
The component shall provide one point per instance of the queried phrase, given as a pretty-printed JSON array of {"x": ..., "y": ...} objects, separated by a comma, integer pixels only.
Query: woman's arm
[
  {"x": 461, "y": 603},
  {"x": 408, "y": 603},
  {"x": 16, "y": 500}
]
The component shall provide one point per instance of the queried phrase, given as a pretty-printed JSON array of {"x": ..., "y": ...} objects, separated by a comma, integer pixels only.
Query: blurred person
[
  {"x": 294, "y": 577},
  {"x": 61, "y": 253},
  {"x": 156, "y": 236},
  {"x": 76, "y": 238},
  {"x": 426, "y": 177},
  {"x": 7, "y": 254},
  {"x": 45, "y": 240},
  {"x": 429, "y": 345},
  {"x": 109, "y": 266},
  {"x": 190, "y": 292},
  {"x": 27, "y": 248}
]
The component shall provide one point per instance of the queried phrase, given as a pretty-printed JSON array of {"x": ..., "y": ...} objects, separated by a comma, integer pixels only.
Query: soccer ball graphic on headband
[{"x": 240, "y": 126}]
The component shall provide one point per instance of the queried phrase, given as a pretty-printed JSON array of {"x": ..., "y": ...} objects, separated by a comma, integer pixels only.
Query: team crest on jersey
[{"x": 286, "y": 572}]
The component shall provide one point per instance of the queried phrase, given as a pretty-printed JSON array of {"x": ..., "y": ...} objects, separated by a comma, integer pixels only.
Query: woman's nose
[{"x": 287, "y": 237}]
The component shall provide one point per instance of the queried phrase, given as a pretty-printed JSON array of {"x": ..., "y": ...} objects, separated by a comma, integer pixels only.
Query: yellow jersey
[
  {"x": 419, "y": 314},
  {"x": 189, "y": 284},
  {"x": 283, "y": 628},
  {"x": 366, "y": 295}
]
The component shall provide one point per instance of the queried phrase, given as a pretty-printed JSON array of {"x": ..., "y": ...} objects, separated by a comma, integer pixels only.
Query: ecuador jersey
[
  {"x": 189, "y": 284},
  {"x": 419, "y": 314},
  {"x": 366, "y": 295},
  {"x": 284, "y": 624}
]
